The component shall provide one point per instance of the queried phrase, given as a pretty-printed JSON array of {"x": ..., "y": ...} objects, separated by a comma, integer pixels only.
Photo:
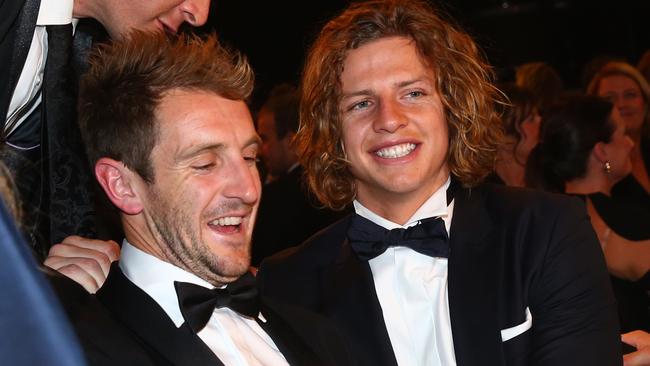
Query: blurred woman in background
[
  {"x": 625, "y": 87},
  {"x": 584, "y": 151}
]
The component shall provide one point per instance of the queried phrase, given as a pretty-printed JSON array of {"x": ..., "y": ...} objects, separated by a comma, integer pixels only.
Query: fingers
[
  {"x": 640, "y": 340},
  {"x": 63, "y": 254},
  {"x": 86, "y": 261},
  {"x": 638, "y": 358},
  {"x": 85, "y": 271},
  {"x": 110, "y": 248},
  {"x": 636, "y": 338},
  {"x": 81, "y": 276}
]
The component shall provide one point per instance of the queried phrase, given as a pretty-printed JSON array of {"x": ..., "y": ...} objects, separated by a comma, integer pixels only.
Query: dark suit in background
[
  {"x": 510, "y": 250},
  {"x": 54, "y": 179}
]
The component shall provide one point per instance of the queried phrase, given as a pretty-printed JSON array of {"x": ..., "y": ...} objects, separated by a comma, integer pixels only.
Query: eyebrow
[
  {"x": 197, "y": 150},
  {"x": 400, "y": 84},
  {"x": 201, "y": 148}
]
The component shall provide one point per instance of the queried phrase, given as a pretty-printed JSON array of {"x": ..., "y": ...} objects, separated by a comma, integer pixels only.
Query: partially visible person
[
  {"x": 41, "y": 56},
  {"x": 584, "y": 151},
  {"x": 288, "y": 212},
  {"x": 593, "y": 66},
  {"x": 433, "y": 268},
  {"x": 644, "y": 65},
  {"x": 34, "y": 326},
  {"x": 521, "y": 121},
  {"x": 174, "y": 149},
  {"x": 277, "y": 123},
  {"x": 627, "y": 89},
  {"x": 640, "y": 340},
  {"x": 542, "y": 80}
]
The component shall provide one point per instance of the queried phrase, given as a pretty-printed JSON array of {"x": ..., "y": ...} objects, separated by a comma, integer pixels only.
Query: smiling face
[
  {"x": 626, "y": 96},
  {"x": 120, "y": 16},
  {"x": 395, "y": 134},
  {"x": 200, "y": 208}
]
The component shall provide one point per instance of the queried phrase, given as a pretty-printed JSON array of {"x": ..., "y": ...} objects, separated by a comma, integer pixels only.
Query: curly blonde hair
[{"x": 463, "y": 80}]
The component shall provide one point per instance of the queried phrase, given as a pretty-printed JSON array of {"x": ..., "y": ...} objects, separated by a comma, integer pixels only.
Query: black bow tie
[
  {"x": 197, "y": 303},
  {"x": 369, "y": 240}
]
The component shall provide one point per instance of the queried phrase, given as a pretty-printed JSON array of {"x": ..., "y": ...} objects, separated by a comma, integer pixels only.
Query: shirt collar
[
  {"x": 156, "y": 277},
  {"x": 435, "y": 206},
  {"x": 55, "y": 12}
]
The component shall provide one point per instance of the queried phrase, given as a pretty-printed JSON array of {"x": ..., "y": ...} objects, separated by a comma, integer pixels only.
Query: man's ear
[{"x": 118, "y": 183}]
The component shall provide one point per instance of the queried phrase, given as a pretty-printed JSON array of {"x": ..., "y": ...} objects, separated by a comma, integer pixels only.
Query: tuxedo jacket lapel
[
  {"x": 350, "y": 298},
  {"x": 292, "y": 342},
  {"x": 151, "y": 325},
  {"x": 473, "y": 275}
]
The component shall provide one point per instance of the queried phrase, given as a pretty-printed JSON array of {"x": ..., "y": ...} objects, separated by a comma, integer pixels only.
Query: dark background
[{"x": 564, "y": 33}]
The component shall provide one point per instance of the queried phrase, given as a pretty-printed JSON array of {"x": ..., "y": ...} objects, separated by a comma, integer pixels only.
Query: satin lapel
[
  {"x": 140, "y": 313},
  {"x": 292, "y": 347},
  {"x": 349, "y": 297},
  {"x": 473, "y": 274}
]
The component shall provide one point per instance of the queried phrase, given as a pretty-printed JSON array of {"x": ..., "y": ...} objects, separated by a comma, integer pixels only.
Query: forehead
[
  {"x": 389, "y": 59},
  {"x": 186, "y": 118},
  {"x": 617, "y": 82}
]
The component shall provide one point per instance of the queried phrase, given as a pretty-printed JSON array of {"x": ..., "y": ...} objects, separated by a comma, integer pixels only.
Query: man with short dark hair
[{"x": 174, "y": 149}]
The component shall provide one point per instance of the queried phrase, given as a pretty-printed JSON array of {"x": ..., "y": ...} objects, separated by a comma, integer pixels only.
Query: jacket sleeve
[{"x": 573, "y": 306}]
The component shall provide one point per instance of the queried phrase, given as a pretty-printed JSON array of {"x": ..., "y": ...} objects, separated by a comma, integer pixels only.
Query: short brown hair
[
  {"x": 463, "y": 80},
  {"x": 129, "y": 77}
]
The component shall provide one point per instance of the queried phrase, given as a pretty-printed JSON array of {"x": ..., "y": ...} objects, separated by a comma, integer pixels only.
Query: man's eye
[
  {"x": 203, "y": 166},
  {"x": 415, "y": 94},
  {"x": 361, "y": 105}
]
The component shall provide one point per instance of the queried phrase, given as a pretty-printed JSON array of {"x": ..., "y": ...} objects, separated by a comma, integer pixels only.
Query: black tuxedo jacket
[
  {"x": 302, "y": 343},
  {"x": 288, "y": 215},
  {"x": 510, "y": 250}
]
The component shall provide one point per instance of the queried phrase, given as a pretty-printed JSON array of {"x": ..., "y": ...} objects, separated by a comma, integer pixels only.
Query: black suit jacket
[
  {"x": 288, "y": 215},
  {"x": 510, "y": 249},
  {"x": 302, "y": 343}
]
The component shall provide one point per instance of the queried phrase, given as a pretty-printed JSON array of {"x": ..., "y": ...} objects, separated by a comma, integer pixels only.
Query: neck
[
  {"x": 139, "y": 238},
  {"x": 592, "y": 183},
  {"x": 398, "y": 207}
]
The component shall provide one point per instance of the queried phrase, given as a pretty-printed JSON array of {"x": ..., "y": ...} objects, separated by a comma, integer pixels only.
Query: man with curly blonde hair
[{"x": 397, "y": 119}]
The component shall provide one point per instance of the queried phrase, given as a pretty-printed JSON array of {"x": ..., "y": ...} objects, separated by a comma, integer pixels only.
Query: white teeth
[
  {"x": 396, "y": 151},
  {"x": 227, "y": 221}
]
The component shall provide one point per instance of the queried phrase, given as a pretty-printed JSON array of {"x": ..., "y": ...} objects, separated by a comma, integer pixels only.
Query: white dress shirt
[
  {"x": 236, "y": 340},
  {"x": 412, "y": 291},
  {"x": 28, "y": 87}
]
